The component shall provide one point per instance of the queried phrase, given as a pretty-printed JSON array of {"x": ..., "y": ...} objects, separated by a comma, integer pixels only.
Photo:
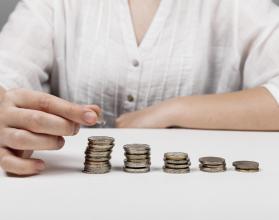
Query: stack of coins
[
  {"x": 176, "y": 162},
  {"x": 137, "y": 158},
  {"x": 246, "y": 166},
  {"x": 212, "y": 164},
  {"x": 98, "y": 155}
]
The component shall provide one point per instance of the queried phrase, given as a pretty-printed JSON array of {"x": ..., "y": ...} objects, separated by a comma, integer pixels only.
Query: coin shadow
[
  {"x": 156, "y": 168},
  {"x": 117, "y": 168}
]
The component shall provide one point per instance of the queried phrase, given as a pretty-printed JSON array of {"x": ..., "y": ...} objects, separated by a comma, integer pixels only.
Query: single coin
[
  {"x": 137, "y": 156},
  {"x": 101, "y": 163},
  {"x": 176, "y": 156},
  {"x": 146, "y": 161},
  {"x": 178, "y": 161},
  {"x": 136, "y": 148},
  {"x": 212, "y": 170},
  {"x": 97, "y": 148},
  {"x": 100, "y": 140},
  {"x": 246, "y": 165},
  {"x": 97, "y": 171},
  {"x": 212, "y": 160},
  {"x": 136, "y": 165},
  {"x": 213, "y": 166},
  {"x": 99, "y": 153},
  {"x": 177, "y": 166},
  {"x": 247, "y": 171},
  {"x": 97, "y": 164},
  {"x": 97, "y": 159},
  {"x": 176, "y": 171},
  {"x": 136, "y": 170}
]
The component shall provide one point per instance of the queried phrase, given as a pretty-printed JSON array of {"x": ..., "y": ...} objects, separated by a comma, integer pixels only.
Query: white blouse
[{"x": 85, "y": 51}]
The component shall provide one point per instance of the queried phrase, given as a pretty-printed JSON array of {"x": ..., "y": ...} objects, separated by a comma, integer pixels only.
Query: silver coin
[
  {"x": 178, "y": 161},
  {"x": 137, "y": 156},
  {"x": 248, "y": 171},
  {"x": 175, "y": 156},
  {"x": 146, "y": 161},
  {"x": 136, "y": 165},
  {"x": 99, "y": 153},
  {"x": 93, "y": 163},
  {"x": 100, "y": 140},
  {"x": 97, "y": 164},
  {"x": 177, "y": 166},
  {"x": 212, "y": 170},
  {"x": 246, "y": 165},
  {"x": 136, "y": 148},
  {"x": 136, "y": 170},
  {"x": 176, "y": 171},
  {"x": 212, "y": 160},
  {"x": 96, "y": 148},
  {"x": 97, "y": 171},
  {"x": 97, "y": 159},
  {"x": 213, "y": 166}
]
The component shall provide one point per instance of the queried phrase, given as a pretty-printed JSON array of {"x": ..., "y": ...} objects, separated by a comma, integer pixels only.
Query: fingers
[
  {"x": 85, "y": 115},
  {"x": 15, "y": 165},
  {"x": 26, "y": 140},
  {"x": 40, "y": 122}
]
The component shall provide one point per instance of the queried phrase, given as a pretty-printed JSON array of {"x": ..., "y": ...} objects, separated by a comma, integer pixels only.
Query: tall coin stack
[
  {"x": 212, "y": 164},
  {"x": 137, "y": 158},
  {"x": 176, "y": 162},
  {"x": 98, "y": 155}
]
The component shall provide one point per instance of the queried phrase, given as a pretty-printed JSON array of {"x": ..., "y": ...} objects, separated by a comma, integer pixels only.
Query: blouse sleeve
[
  {"x": 26, "y": 50},
  {"x": 258, "y": 44}
]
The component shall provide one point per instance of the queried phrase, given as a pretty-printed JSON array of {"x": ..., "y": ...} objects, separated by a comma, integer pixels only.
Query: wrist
[{"x": 175, "y": 111}]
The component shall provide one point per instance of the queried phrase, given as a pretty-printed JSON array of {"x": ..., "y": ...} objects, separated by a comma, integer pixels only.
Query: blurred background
[{"x": 6, "y": 7}]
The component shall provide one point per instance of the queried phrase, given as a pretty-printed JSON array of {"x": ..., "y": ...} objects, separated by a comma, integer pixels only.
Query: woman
[{"x": 143, "y": 63}]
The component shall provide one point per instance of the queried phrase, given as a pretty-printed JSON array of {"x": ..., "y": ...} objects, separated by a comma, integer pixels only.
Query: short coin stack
[
  {"x": 98, "y": 155},
  {"x": 137, "y": 158},
  {"x": 176, "y": 162},
  {"x": 212, "y": 164},
  {"x": 246, "y": 166}
]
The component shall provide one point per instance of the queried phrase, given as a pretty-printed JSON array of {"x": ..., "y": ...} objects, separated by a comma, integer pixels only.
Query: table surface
[{"x": 64, "y": 192}]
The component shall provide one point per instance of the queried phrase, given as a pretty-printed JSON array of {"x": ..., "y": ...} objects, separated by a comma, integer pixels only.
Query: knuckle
[
  {"x": 36, "y": 121},
  {"x": 15, "y": 92},
  {"x": 44, "y": 103},
  {"x": 69, "y": 110},
  {"x": 17, "y": 138}
]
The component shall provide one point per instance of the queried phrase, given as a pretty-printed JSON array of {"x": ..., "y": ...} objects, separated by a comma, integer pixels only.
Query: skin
[
  {"x": 32, "y": 121},
  {"x": 250, "y": 110}
]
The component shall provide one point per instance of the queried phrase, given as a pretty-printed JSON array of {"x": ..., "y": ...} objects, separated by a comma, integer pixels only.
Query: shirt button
[
  {"x": 135, "y": 63},
  {"x": 130, "y": 98}
]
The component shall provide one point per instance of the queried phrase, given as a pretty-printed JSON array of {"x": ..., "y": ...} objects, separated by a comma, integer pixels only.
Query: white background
[{"x": 64, "y": 192}]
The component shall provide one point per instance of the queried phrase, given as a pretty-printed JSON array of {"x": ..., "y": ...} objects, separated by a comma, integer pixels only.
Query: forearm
[
  {"x": 2, "y": 91},
  {"x": 253, "y": 109}
]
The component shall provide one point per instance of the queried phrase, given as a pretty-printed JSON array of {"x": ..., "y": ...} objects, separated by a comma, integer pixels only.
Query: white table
[{"x": 64, "y": 192}]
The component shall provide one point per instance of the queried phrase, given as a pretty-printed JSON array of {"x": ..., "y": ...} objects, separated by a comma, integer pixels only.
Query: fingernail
[
  {"x": 77, "y": 128},
  {"x": 41, "y": 166},
  {"x": 90, "y": 117},
  {"x": 61, "y": 142}
]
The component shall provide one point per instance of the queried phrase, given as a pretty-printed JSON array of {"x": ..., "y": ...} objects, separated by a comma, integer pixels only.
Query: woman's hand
[
  {"x": 161, "y": 115},
  {"x": 31, "y": 121}
]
